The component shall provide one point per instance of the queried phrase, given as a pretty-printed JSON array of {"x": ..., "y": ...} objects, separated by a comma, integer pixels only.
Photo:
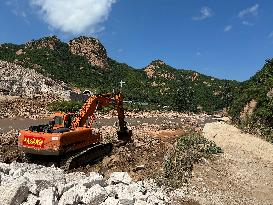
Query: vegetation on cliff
[{"x": 252, "y": 107}]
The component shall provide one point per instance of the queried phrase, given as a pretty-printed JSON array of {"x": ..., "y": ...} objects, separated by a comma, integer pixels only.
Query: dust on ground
[{"x": 242, "y": 175}]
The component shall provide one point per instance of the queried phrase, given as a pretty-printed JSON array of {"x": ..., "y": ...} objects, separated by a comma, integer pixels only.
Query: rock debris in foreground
[{"x": 26, "y": 184}]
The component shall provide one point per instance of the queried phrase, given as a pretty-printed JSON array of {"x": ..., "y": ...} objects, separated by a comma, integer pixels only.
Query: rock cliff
[{"x": 91, "y": 49}]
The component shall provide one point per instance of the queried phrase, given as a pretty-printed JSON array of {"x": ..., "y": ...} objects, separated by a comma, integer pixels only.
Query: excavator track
[{"x": 86, "y": 156}]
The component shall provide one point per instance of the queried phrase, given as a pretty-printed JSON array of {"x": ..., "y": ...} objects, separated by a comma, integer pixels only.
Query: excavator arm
[{"x": 98, "y": 101}]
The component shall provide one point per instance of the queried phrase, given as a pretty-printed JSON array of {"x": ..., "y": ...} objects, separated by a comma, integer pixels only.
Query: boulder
[
  {"x": 38, "y": 185},
  {"x": 49, "y": 196},
  {"x": 5, "y": 168},
  {"x": 140, "y": 202},
  {"x": 31, "y": 200},
  {"x": 73, "y": 195},
  {"x": 111, "y": 201},
  {"x": 95, "y": 195},
  {"x": 92, "y": 179},
  {"x": 119, "y": 177},
  {"x": 122, "y": 192},
  {"x": 14, "y": 194}
]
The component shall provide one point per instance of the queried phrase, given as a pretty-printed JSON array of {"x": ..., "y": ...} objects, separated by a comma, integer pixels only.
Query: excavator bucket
[{"x": 125, "y": 135}]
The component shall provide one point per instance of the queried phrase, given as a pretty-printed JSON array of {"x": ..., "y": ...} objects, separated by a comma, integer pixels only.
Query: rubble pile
[
  {"x": 91, "y": 49},
  {"x": 29, "y": 184},
  {"x": 24, "y": 107},
  {"x": 20, "y": 81}
]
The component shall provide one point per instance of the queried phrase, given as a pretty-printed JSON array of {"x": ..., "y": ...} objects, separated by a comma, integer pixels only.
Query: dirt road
[{"x": 242, "y": 175}]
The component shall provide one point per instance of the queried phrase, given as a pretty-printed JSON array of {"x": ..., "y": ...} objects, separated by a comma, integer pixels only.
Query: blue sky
[{"x": 226, "y": 39}]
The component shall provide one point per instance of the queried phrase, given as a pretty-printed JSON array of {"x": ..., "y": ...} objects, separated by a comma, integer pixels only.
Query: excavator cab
[{"x": 62, "y": 120}]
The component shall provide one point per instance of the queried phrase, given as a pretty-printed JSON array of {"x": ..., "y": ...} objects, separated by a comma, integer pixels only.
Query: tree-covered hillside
[
  {"x": 158, "y": 84},
  {"x": 253, "y": 102}
]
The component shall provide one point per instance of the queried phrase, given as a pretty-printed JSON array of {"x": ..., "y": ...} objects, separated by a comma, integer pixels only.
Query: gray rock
[
  {"x": 74, "y": 177},
  {"x": 119, "y": 177},
  {"x": 95, "y": 195},
  {"x": 73, "y": 195},
  {"x": 45, "y": 174},
  {"x": 152, "y": 199},
  {"x": 38, "y": 185},
  {"x": 110, "y": 201},
  {"x": 122, "y": 192},
  {"x": 126, "y": 201},
  {"x": 49, "y": 196},
  {"x": 14, "y": 194},
  {"x": 140, "y": 202},
  {"x": 4, "y": 168},
  {"x": 92, "y": 179},
  {"x": 22, "y": 183},
  {"x": 31, "y": 200}
]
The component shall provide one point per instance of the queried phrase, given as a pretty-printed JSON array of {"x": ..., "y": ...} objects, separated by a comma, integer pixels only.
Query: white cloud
[
  {"x": 206, "y": 12},
  {"x": 247, "y": 23},
  {"x": 249, "y": 11},
  {"x": 74, "y": 16},
  {"x": 227, "y": 28}
]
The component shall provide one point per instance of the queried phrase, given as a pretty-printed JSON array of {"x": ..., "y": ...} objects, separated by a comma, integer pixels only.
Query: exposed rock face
[
  {"x": 27, "y": 82},
  {"x": 47, "y": 42},
  {"x": 248, "y": 109},
  {"x": 35, "y": 184},
  {"x": 152, "y": 72},
  {"x": 20, "y": 52},
  {"x": 270, "y": 93},
  {"x": 151, "y": 69},
  {"x": 91, "y": 49}
]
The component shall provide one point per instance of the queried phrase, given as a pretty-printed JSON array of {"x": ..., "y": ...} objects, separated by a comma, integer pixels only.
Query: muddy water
[{"x": 7, "y": 124}]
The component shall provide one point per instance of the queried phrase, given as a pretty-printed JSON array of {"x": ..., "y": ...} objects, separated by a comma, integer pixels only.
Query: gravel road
[{"x": 242, "y": 175}]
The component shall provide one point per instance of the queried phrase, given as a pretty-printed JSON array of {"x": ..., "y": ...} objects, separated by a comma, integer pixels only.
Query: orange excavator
[{"x": 70, "y": 135}]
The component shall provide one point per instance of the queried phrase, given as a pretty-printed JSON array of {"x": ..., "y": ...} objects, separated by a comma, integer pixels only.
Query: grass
[{"x": 189, "y": 150}]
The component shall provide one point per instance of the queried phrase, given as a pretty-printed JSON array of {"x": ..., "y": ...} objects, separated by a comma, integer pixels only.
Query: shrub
[
  {"x": 65, "y": 106},
  {"x": 179, "y": 163}
]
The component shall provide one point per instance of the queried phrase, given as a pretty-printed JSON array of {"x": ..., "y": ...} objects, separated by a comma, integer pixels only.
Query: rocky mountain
[{"x": 83, "y": 63}]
